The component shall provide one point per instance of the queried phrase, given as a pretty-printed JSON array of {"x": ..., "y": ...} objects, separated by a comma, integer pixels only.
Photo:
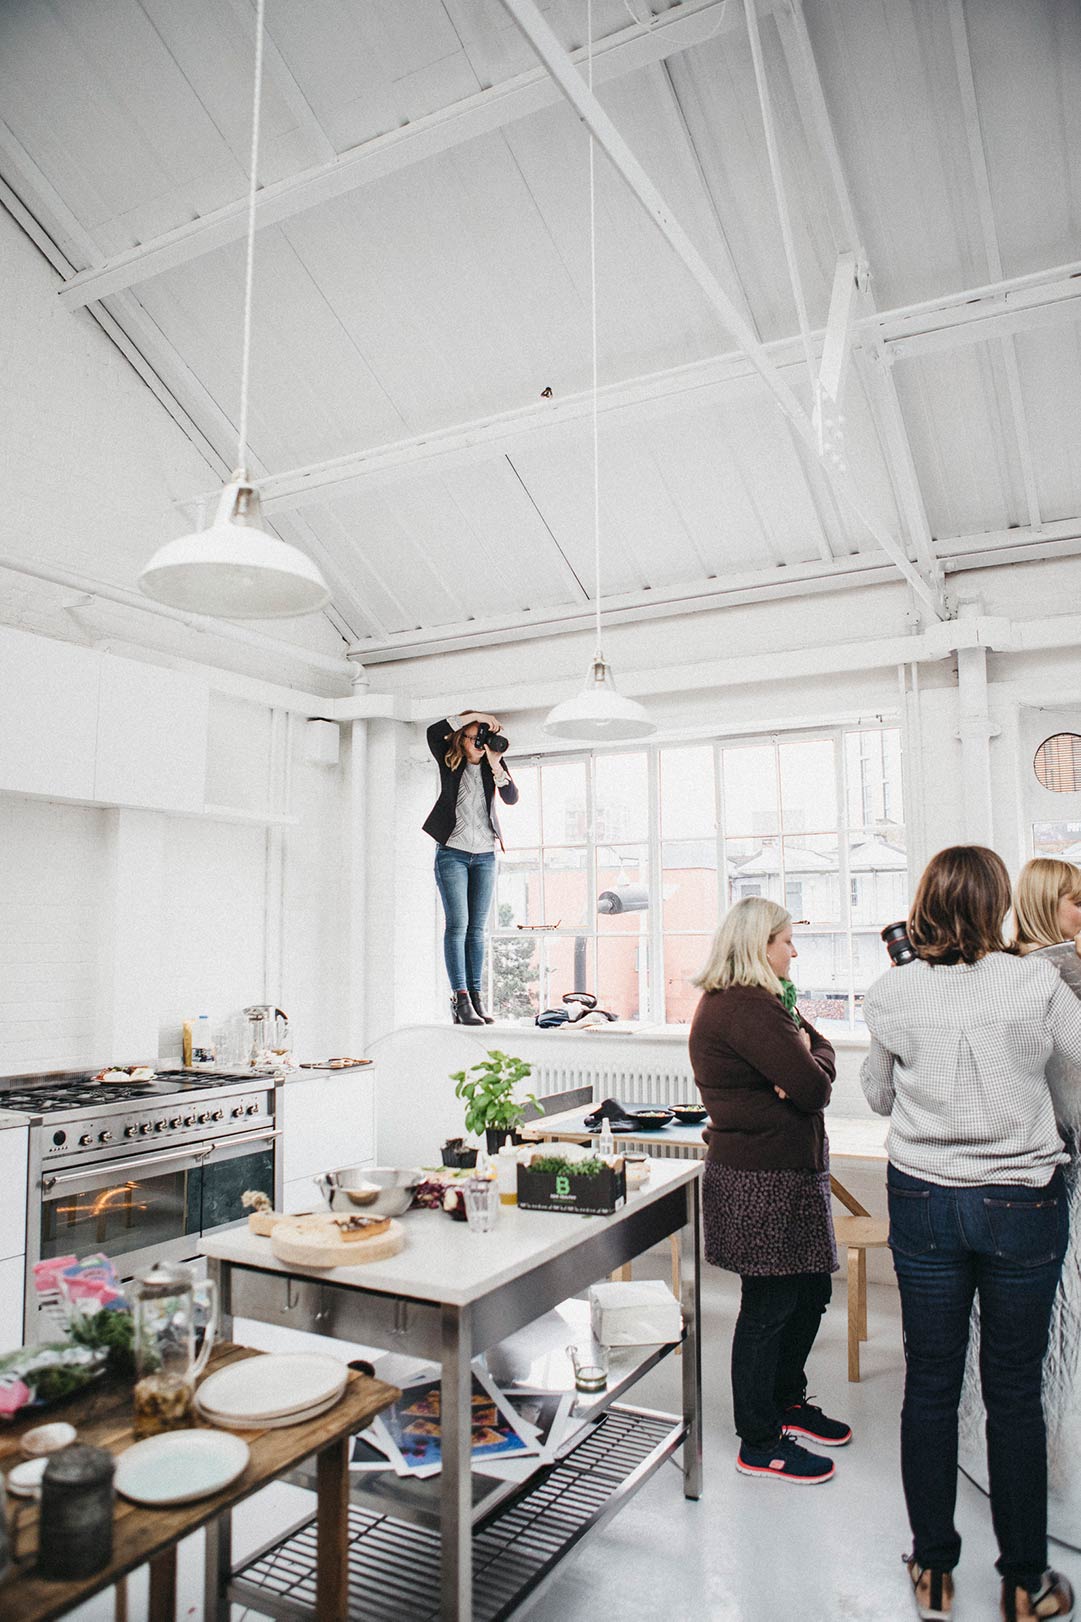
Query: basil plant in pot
[{"x": 488, "y": 1090}]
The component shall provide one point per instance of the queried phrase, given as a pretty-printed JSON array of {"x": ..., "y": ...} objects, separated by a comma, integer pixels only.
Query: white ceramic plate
[
  {"x": 269, "y": 1387},
  {"x": 279, "y": 1423},
  {"x": 180, "y": 1466},
  {"x": 24, "y": 1481}
]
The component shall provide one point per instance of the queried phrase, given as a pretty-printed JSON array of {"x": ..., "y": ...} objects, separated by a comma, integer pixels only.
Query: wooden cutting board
[{"x": 315, "y": 1246}]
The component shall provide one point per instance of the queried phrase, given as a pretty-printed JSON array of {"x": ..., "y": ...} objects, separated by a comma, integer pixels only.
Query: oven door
[
  {"x": 250, "y": 1161},
  {"x": 136, "y": 1211}
]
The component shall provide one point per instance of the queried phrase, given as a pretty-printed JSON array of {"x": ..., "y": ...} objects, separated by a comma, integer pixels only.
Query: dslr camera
[
  {"x": 487, "y": 739},
  {"x": 898, "y": 945}
]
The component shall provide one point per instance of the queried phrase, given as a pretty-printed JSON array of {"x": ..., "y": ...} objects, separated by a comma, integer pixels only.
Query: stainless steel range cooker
[{"x": 142, "y": 1171}]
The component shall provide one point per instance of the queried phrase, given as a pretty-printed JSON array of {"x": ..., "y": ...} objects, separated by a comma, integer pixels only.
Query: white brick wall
[{"x": 51, "y": 866}]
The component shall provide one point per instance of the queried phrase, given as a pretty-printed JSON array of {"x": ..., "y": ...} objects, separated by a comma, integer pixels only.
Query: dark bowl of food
[
  {"x": 688, "y": 1114},
  {"x": 650, "y": 1119}
]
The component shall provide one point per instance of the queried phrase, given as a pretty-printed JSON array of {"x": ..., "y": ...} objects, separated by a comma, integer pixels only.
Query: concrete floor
[{"x": 749, "y": 1550}]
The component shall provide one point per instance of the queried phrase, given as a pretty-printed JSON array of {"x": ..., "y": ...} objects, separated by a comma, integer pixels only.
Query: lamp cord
[
  {"x": 593, "y": 315},
  {"x": 249, "y": 274}
]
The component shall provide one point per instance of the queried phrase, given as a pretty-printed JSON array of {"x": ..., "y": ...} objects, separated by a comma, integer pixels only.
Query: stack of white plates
[{"x": 277, "y": 1389}]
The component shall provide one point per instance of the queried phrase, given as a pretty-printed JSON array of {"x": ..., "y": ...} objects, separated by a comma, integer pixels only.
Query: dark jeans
[
  {"x": 776, "y": 1328},
  {"x": 465, "y": 880},
  {"x": 1004, "y": 1243}
]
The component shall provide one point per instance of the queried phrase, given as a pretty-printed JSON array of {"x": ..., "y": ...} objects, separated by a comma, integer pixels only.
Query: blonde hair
[
  {"x": 455, "y": 752},
  {"x": 1041, "y": 885},
  {"x": 738, "y": 955}
]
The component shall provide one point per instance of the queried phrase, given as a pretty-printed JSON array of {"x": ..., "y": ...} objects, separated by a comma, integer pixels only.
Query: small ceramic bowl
[
  {"x": 46, "y": 1439},
  {"x": 689, "y": 1114},
  {"x": 651, "y": 1118}
]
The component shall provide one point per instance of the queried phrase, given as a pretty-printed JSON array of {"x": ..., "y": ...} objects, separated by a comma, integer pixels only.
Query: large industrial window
[{"x": 619, "y": 866}]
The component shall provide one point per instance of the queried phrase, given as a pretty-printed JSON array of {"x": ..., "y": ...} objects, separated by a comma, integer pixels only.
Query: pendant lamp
[
  {"x": 599, "y": 713},
  {"x": 235, "y": 569}
]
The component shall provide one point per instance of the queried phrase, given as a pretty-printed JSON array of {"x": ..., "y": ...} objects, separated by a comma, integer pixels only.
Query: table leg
[
  {"x": 163, "y": 1586},
  {"x": 456, "y": 1485},
  {"x": 219, "y": 1567},
  {"x": 690, "y": 1297},
  {"x": 332, "y": 1521}
]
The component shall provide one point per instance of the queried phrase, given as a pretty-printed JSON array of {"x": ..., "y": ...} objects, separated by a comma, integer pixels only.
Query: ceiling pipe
[{"x": 335, "y": 666}]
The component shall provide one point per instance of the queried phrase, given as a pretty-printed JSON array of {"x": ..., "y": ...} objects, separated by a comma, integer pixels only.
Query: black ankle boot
[
  {"x": 462, "y": 1009},
  {"x": 474, "y": 997}
]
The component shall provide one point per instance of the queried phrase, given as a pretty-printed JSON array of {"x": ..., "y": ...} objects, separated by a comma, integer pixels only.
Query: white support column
[
  {"x": 130, "y": 969},
  {"x": 355, "y": 931},
  {"x": 975, "y": 731}
]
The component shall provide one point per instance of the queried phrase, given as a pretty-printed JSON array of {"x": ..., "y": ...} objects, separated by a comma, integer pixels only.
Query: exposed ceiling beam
[
  {"x": 677, "y": 29},
  {"x": 982, "y": 186},
  {"x": 892, "y": 433}
]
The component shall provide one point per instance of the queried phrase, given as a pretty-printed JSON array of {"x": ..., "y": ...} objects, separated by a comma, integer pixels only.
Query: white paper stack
[{"x": 643, "y": 1313}]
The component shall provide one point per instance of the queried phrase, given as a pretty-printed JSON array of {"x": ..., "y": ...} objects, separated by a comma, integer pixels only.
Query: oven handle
[{"x": 148, "y": 1163}]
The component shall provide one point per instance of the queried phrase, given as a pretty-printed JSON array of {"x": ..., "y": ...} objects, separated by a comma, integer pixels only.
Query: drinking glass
[
  {"x": 481, "y": 1203},
  {"x": 590, "y": 1364}
]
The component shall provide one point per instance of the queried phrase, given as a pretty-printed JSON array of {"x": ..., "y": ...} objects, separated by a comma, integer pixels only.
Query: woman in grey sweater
[{"x": 960, "y": 1041}]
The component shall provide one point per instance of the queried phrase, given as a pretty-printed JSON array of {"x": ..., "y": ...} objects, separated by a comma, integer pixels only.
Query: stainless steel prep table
[{"x": 452, "y": 1294}]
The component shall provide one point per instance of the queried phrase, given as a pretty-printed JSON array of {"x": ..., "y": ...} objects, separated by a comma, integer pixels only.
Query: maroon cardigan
[{"x": 743, "y": 1043}]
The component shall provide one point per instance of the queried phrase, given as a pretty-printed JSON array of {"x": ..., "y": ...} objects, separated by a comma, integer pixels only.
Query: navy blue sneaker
[
  {"x": 784, "y": 1461},
  {"x": 809, "y": 1423}
]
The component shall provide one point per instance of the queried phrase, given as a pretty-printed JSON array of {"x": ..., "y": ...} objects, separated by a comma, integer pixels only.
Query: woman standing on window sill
[
  {"x": 765, "y": 1076},
  {"x": 465, "y": 827}
]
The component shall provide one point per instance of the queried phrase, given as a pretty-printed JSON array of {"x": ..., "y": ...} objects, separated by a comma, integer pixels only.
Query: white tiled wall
[{"x": 51, "y": 863}]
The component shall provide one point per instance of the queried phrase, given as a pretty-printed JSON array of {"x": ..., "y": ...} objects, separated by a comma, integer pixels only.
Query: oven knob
[
  {"x": 238, "y": 1111},
  {"x": 252, "y": 1109},
  {"x": 105, "y": 1137},
  {"x": 204, "y": 1117},
  {"x": 174, "y": 1120},
  {"x": 86, "y": 1140},
  {"x": 131, "y": 1131},
  {"x": 189, "y": 1120},
  {"x": 159, "y": 1126},
  {"x": 144, "y": 1127},
  {"x": 217, "y": 1115}
]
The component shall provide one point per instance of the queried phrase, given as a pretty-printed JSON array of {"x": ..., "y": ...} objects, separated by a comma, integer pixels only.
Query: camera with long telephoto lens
[
  {"x": 487, "y": 739},
  {"x": 898, "y": 945}
]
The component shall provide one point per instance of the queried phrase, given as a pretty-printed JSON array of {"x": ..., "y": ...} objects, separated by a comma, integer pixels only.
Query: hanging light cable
[
  {"x": 235, "y": 569},
  {"x": 599, "y": 711}
]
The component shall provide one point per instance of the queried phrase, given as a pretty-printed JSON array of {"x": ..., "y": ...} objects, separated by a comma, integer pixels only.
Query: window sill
[{"x": 628, "y": 1030}]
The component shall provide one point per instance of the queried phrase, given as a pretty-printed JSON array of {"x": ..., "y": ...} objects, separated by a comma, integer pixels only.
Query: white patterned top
[
  {"x": 957, "y": 1060},
  {"x": 472, "y": 825}
]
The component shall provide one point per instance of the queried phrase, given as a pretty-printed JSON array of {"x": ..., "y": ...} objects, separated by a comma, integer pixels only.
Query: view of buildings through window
[{"x": 619, "y": 866}]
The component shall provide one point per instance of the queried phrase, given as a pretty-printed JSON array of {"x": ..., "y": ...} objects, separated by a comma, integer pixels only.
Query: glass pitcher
[{"x": 164, "y": 1299}]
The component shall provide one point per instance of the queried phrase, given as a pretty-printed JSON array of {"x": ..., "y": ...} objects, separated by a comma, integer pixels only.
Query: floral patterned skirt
[{"x": 768, "y": 1223}]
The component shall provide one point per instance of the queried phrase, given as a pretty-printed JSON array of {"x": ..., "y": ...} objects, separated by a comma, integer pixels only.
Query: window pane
[
  {"x": 1062, "y": 839},
  {"x": 811, "y": 886},
  {"x": 521, "y": 823},
  {"x": 518, "y": 891},
  {"x": 873, "y": 778},
  {"x": 515, "y": 970},
  {"x": 621, "y": 965},
  {"x": 620, "y": 798},
  {"x": 755, "y": 869},
  {"x": 877, "y": 879},
  {"x": 869, "y": 959},
  {"x": 684, "y": 957},
  {"x": 689, "y": 884},
  {"x": 808, "y": 787},
  {"x": 623, "y": 897},
  {"x": 571, "y": 966},
  {"x": 688, "y": 797},
  {"x": 566, "y": 898},
  {"x": 821, "y": 974},
  {"x": 750, "y": 790},
  {"x": 563, "y": 802}
]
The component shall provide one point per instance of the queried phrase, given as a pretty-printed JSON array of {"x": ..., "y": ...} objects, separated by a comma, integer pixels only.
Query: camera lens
[{"x": 898, "y": 944}]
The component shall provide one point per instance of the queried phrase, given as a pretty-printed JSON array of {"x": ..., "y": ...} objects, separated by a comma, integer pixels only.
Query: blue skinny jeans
[
  {"x": 465, "y": 880},
  {"x": 1004, "y": 1243}
]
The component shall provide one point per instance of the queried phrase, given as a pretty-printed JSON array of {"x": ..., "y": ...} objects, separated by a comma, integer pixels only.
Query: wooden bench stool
[{"x": 858, "y": 1233}]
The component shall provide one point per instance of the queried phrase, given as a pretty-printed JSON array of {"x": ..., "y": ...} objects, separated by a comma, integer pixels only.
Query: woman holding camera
[
  {"x": 978, "y": 1208},
  {"x": 765, "y": 1076},
  {"x": 468, "y": 750}
]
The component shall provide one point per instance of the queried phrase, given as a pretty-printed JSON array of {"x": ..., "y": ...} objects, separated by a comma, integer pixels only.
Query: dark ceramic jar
[{"x": 75, "y": 1529}]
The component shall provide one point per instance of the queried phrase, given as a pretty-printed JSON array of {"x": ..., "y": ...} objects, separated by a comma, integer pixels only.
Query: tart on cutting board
[{"x": 336, "y": 1241}]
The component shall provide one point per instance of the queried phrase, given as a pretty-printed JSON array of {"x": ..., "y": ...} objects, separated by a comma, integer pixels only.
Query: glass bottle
[{"x": 166, "y": 1364}]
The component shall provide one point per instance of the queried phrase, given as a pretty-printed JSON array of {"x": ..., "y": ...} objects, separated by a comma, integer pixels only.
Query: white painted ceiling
[{"x": 422, "y": 278}]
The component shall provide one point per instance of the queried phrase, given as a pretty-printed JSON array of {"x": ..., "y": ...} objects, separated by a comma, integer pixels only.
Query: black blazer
[{"x": 443, "y": 815}]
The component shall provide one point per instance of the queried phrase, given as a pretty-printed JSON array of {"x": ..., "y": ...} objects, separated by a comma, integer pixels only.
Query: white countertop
[
  {"x": 12, "y": 1117},
  {"x": 445, "y": 1261}
]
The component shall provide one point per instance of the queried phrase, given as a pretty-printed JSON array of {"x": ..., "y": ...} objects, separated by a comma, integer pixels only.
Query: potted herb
[{"x": 488, "y": 1091}]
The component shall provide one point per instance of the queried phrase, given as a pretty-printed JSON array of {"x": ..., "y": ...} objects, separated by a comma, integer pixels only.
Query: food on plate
[
  {"x": 125, "y": 1072},
  {"x": 354, "y": 1228}
]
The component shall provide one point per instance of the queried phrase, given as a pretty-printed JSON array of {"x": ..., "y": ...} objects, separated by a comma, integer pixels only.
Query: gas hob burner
[
  {"x": 78, "y": 1095},
  {"x": 210, "y": 1078}
]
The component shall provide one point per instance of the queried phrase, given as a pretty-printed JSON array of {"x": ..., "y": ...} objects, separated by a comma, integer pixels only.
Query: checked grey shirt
[{"x": 957, "y": 1060}]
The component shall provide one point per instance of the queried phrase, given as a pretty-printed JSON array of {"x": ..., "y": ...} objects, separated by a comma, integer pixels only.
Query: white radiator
[{"x": 633, "y": 1084}]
